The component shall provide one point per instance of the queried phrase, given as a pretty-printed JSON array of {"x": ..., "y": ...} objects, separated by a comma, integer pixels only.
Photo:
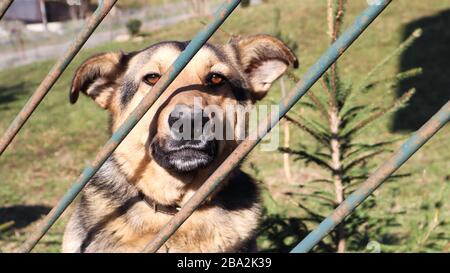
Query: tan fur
[{"x": 211, "y": 228}]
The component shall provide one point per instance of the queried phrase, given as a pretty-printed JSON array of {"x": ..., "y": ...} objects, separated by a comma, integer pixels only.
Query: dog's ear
[
  {"x": 264, "y": 59},
  {"x": 97, "y": 77}
]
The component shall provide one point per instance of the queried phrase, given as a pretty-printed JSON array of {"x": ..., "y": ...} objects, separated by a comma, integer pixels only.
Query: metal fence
[
  {"x": 103, "y": 9},
  {"x": 4, "y": 5},
  {"x": 215, "y": 179}
]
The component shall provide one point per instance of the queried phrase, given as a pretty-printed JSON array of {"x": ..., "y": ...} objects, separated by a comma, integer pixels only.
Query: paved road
[
  {"x": 45, "y": 52},
  {"x": 104, "y": 34}
]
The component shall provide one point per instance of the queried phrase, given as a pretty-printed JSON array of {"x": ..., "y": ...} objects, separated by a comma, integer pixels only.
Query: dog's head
[{"x": 176, "y": 133}]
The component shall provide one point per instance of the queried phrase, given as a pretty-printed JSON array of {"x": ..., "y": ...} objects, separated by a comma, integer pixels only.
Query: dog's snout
[
  {"x": 190, "y": 145},
  {"x": 188, "y": 121}
]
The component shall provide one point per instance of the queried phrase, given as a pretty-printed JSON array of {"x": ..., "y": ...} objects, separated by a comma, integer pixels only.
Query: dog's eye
[
  {"x": 152, "y": 79},
  {"x": 215, "y": 79}
]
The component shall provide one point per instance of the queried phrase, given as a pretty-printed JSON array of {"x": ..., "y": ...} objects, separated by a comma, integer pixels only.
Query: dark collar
[{"x": 167, "y": 209}]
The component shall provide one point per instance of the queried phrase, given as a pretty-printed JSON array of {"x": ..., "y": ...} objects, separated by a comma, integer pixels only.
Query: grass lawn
[{"x": 59, "y": 139}]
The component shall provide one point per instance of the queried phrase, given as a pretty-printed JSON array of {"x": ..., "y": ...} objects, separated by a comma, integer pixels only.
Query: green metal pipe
[
  {"x": 102, "y": 10},
  {"x": 4, "y": 5},
  {"x": 411, "y": 146},
  {"x": 313, "y": 74},
  {"x": 194, "y": 46}
]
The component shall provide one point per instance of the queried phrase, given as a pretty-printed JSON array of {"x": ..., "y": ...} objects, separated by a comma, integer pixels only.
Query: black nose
[{"x": 192, "y": 117}]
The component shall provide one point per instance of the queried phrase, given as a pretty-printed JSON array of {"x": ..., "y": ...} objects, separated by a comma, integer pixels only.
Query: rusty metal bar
[
  {"x": 4, "y": 5},
  {"x": 104, "y": 6},
  {"x": 411, "y": 146},
  {"x": 194, "y": 46},
  {"x": 313, "y": 74}
]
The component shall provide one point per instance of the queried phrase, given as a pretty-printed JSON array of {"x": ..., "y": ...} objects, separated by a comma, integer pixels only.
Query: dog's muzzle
[{"x": 190, "y": 145}]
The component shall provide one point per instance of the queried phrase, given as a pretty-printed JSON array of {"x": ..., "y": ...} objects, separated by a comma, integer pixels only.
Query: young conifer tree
[{"x": 340, "y": 151}]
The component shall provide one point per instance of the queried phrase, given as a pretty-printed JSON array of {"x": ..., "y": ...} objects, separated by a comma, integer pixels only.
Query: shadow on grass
[
  {"x": 431, "y": 52},
  {"x": 280, "y": 234},
  {"x": 20, "y": 216},
  {"x": 9, "y": 94}
]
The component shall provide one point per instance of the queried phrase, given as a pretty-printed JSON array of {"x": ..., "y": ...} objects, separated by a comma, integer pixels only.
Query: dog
[{"x": 153, "y": 173}]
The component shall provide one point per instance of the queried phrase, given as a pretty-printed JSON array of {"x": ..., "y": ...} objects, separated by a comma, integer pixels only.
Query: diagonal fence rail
[
  {"x": 4, "y": 5},
  {"x": 200, "y": 39},
  {"x": 412, "y": 145},
  {"x": 313, "y": 74},
  {"x": 104, "y": 6}
]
